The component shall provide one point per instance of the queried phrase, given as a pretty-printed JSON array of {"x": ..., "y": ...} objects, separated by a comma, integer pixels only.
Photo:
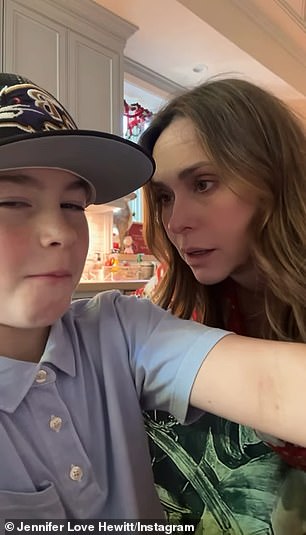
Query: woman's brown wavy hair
[{"x": 258, "y": 146}]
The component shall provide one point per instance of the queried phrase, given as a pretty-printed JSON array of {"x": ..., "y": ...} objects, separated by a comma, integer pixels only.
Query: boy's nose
[{"x": 55, "y": 230}]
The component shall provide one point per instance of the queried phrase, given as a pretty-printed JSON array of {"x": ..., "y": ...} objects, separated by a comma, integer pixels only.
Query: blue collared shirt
[{"x": 72, "y": 439}]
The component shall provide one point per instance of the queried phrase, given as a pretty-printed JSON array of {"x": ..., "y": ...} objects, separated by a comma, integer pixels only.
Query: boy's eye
[
  {"x": 73, "y": 206},
  {"x": 14, "y": 204}
]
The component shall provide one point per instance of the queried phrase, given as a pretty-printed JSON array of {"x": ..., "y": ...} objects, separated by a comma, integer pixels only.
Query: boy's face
[{"x": 43, "y": 244}]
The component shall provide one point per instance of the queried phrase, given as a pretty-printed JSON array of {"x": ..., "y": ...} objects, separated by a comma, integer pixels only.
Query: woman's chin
[{"x": 209, "y": 278}]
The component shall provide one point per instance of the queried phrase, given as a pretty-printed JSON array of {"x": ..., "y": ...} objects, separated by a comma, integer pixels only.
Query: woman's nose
[{"x": 181, "y": 217}]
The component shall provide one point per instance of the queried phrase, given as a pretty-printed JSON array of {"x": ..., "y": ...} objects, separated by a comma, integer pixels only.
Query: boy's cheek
[
  {"x": 13, "y": 245},
  {"x": 16, "y": 259}
]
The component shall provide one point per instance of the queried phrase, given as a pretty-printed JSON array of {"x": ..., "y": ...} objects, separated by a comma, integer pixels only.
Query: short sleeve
[{"x": 165, "y": 353}]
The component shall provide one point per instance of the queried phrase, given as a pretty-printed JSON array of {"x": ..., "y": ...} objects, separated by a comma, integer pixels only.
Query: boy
[{"x": 72, "y": 375}]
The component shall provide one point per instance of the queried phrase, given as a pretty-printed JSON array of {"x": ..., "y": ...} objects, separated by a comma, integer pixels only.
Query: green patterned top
[{"x": 221, "y": 475}]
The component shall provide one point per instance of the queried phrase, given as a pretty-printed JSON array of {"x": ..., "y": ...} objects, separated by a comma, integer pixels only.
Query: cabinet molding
[
  {"x": 151, "y": 77},
  {"x": 100, "y": 18},
  {"x": 78, "y": 14}
]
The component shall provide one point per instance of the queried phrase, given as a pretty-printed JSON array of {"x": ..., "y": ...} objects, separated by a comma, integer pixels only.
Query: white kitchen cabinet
[
  {"x": 94, "y": 84},
  {"x": 1, "y": 40},
  {"x": 35, "y": 47},
  {"x": 74, "y": 49}
]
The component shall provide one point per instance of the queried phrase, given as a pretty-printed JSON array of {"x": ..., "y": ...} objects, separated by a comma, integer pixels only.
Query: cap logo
[{"x": 28, "y": 108}]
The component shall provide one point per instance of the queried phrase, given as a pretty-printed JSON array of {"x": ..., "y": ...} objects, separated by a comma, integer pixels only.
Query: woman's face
[{"x": 204, "y": 219}]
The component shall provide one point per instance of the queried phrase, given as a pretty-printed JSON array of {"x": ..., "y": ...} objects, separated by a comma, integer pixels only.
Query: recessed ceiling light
[{"x": 200, "y": 68}]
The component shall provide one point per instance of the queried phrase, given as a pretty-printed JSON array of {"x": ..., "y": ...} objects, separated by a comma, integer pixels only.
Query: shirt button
[
  {"x": 55, "y": 423},
  {"x": 41, "y": 376},
  {"x": 76, "y": 473}
]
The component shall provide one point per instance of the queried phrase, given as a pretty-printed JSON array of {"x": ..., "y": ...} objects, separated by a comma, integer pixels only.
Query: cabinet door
[
  {"x": 94, "y": 84},
  {"x": 35, "y": 46}
]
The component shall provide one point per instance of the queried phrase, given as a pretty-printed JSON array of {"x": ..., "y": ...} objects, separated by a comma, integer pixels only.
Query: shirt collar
[{"x": 17, "y": 377}]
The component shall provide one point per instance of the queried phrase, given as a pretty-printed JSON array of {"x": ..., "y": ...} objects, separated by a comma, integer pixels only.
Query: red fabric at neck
[{"x": 234, "y": 320}]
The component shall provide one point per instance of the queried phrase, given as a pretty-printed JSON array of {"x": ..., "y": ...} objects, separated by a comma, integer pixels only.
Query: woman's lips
[{"x": 195, "y": 256}]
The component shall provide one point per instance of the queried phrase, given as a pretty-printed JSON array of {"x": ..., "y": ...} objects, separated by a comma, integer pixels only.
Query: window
[{"x": 140, "y": 104}]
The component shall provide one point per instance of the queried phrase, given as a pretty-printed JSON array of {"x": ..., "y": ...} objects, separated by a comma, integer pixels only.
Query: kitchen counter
[{"x": 89, "y": 289}]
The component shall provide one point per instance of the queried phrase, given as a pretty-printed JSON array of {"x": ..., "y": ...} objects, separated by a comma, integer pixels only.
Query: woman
[{"x": 225, "y": 214}]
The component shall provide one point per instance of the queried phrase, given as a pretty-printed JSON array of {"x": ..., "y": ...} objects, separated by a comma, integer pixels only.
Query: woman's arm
[{"x": 259, "y": 383}]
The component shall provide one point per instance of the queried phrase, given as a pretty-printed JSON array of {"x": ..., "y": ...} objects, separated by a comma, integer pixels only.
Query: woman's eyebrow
[{"x": 185, "y": 173}]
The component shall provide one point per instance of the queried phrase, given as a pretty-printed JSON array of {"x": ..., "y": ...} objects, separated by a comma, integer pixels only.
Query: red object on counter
[{"x": 136, "y": 233}]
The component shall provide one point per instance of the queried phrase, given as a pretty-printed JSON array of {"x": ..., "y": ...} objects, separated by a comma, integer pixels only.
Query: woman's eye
[
  {"x": 204, "y": 185},
  {"x": 73, "y": 206},
  {"x": 164, "y": 197}
]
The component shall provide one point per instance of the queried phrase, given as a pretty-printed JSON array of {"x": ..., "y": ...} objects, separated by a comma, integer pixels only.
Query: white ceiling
[{"x": 172, "y": 41}]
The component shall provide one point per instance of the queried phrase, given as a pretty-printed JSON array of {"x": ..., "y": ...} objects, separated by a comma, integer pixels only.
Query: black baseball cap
[{"x": 37, "y": 131}]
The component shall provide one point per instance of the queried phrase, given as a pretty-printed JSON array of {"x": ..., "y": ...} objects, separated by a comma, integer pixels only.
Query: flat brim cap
[
  {"x": 114, "y": 166},
  {"x": 37, "y": 131}
]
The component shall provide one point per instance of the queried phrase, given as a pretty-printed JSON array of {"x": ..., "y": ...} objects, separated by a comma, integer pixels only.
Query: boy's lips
[{"x": 53, "y": 274}]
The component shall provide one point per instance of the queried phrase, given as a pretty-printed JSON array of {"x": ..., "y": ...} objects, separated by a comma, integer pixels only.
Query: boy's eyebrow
[{"x": 21, "y": 178}]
